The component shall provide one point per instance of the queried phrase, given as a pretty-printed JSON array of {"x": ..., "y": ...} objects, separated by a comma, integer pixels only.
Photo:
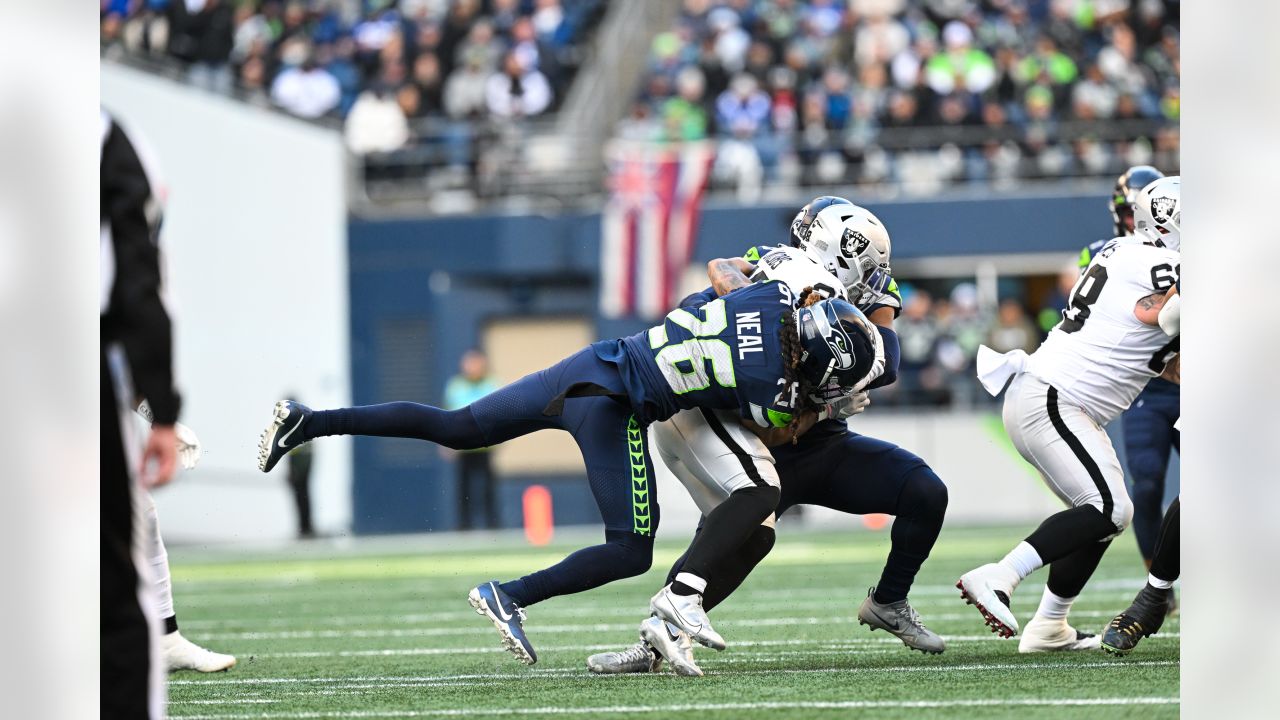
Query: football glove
[
  {"x": 845, "y": 407},
  {"x": 188, "y": 443}
]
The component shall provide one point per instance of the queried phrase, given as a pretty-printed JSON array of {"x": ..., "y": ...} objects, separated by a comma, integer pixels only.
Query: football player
[
  {"x": 829, "y": 466},
  {"x": 1089, "y": 370},
  {"x": 1149, "y": 435},
  {"x": 751, "y": 352},
  {"x": 1145, "y": 616}
]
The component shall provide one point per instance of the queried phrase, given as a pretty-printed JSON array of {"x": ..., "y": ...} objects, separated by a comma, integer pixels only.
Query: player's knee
[
  {"x": 759, "y": 544},
  {"x": 1122, "y": 514},
  {"x": 633, "y": 553},
  {"x": 763, "y": 499},
  {"x": 924, "y": 494}
]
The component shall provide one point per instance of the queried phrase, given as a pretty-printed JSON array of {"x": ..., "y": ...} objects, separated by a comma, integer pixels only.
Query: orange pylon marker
[{"x": 539, "y": 520}]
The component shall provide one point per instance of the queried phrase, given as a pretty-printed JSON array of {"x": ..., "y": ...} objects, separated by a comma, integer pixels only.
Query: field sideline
[{"x": 381, "y": 629}]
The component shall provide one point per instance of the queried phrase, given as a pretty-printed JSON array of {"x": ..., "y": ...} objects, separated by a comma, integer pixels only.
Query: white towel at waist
[{"x": 995, "y": 369}]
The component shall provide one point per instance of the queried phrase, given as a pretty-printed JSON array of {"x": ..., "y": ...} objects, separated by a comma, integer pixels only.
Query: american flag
[{"x": 649, "y": 224}]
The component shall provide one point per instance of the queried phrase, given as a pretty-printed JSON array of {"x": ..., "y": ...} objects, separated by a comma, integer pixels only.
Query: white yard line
[
  {"x": 579, "y": 672},
  {"x": 696, "y": 707}
]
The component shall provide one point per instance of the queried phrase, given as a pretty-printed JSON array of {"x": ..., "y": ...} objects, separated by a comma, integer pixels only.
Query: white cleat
[
  {"x": 989, "y": 589},
  {"x": 182, "y": 654},
  {"x": 672, "y": 644},
  {"x": 639, "y": 658},
  {"x": 686, "y": 613},
  {"x": 1047, "y": 635}
]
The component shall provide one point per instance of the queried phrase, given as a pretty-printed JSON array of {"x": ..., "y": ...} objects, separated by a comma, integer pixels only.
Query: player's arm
[
  {"x": 1148, "y": 308},
  {"x": 729, "y": 274},
  {"x": 882, "y": 318},
  {"x": 1170, "y": 316},
  {"x": 1173, "y": 370}
]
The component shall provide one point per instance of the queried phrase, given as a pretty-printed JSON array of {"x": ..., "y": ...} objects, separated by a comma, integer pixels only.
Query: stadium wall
[{"x": 255, "y": 241}]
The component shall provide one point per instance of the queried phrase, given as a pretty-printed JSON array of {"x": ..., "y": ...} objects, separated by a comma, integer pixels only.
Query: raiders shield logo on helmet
[
  {"x": 853, "y": 243},
  {"x": 1162, "y": 209}
]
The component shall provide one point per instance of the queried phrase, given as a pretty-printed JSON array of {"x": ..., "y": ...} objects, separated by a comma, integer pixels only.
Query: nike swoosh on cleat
[
  {"x": 683, "y": 619},
  {"x": 502, "y": 612},
  {"x": 281, "y": 441}
]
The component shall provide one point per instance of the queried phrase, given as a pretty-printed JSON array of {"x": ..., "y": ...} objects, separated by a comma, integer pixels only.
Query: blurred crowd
[
  {"x": 382, "y": 66},
  {"x": 939, "y": 333},
  {"x": 926, "y": 91}
]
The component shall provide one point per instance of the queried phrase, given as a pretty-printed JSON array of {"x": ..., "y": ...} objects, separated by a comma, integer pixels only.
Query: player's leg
[
  {"x": 1148, "y": 440},
  {"x": 179, "y": 652},
  {"x": 858, "y": 474},
  {"x": 1076, "y": 459},
  {"x": 732, "y": 462},
  {"x": 620, "y": 472},
  {"x": 1145, "y": 616},
  {"x": 508, "y": 412}
]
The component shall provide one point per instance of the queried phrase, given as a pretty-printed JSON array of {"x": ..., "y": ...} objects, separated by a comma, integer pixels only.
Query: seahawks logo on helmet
[
  {"x": 1162, "y": 209},
  {"x": 853, "y": 243},
  {"x": 838, "y": 341}
]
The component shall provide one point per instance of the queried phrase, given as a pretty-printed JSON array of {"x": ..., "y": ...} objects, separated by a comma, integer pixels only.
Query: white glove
[
  {"x": 188, "y": 446},
  {"x": 188, "y": 443},
  {"x": 845, "y": 407}
]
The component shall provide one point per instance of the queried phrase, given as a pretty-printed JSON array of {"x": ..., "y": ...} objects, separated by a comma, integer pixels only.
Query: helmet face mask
[
  {"x": 1158, "y": 212},
  {"x": 1125, "y": 195}
]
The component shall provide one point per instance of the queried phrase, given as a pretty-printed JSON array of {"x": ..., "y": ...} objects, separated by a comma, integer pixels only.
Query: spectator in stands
[
  {"x": 200, "y": 35},
  {"x": 464, "y": 91},
  {"x": 517, "y": 91},
  {"x": 1013, "y": 330},
  {"x": 429, "y": 80},
  {"x": 476, "y": 483},
  {"x": 376, "y": 123},
  {"x": 918, "y": 336},
  {"x": 480, "y": 46},
  {"x": 683, "y": 116},
  {"x": 743, "y": 109},
  {"x": 307, "y": 90}
]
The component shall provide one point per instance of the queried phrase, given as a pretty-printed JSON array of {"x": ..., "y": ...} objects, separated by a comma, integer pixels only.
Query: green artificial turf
[{"x": 382, "y": 629}]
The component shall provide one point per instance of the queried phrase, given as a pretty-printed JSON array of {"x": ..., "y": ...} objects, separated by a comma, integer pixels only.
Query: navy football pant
[
  {"x": 613, "y": 444},
  {"x": 855, "y": 474},
  {"x": 1148, "y": 439}
]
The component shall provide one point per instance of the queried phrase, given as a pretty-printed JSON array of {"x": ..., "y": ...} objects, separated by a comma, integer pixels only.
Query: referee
[{"x": 135, "y": 357}]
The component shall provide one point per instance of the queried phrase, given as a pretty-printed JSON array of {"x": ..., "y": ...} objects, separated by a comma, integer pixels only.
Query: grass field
[{"x": 381, "y": 629}]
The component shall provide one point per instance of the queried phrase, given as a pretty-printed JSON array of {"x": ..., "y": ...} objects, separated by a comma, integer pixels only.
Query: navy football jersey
[{"x": 723, "y": 354}]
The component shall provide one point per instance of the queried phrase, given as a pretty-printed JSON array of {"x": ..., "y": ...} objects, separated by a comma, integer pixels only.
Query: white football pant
[
  {"x": 713, "y": 455},
  {"x": 1073, "y": 453}
]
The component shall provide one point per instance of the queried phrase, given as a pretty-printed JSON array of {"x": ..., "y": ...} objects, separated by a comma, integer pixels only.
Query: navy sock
[
  {"x": 455, "y": 429},
  {"x": 922, "y": 505},
  {"x": 623, "y": 555}
]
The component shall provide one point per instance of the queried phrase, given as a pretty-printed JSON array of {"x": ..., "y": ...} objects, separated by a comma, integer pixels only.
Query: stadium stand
[{"x": 473, "y": 97}]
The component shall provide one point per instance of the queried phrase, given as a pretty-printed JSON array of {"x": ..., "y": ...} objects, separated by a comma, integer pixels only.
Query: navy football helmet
[
  {"x": 1125, "y": 194},
  {"x": 803, "y": 222},
  {"x": 838, "y": 343}
]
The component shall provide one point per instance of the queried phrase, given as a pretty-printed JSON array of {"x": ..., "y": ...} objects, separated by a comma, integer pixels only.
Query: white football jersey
[
  {"x": 1100, "y": 355},
  {"x": 796, "y": 270}
]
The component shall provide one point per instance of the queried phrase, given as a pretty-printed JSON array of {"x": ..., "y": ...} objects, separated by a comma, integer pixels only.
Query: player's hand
[
  {"x": 847, "y": 406},
  {"x": 159, "y": 457},
  {"x": 188, "y": 445}
]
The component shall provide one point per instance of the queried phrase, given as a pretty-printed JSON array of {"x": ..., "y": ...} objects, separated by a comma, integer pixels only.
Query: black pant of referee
[{"x": 126, "y": 652}]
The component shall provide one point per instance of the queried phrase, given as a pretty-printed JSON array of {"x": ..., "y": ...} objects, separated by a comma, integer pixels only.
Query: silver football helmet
[
  {"x": 1157, "y": 212},
  {"x": 852, "y": 244}
]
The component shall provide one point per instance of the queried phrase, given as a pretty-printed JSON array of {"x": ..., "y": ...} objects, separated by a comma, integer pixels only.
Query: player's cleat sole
[
  {"x": 280, "y": 436},
  {"x": 986, "y": 590},
  {"x": 901, "y": 620},
  {"x": 1141, "y": 619},
  {"x": 489, "y": 601},
  {"x": 672, "y": 643},
  {"x": 686, "y": 613},
  {"x": 639, "y": 658},
  {"x": 182, "y": 654},
  {"x": 1047, "y": 635}
]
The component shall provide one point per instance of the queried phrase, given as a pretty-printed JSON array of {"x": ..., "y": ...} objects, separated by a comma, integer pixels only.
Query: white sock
[
  {"x": 1054, "y": 607},
  {"x": 158, "y": 558},
  {"x": 692, "y": 581},
  {"x": 1023, "y": 560},
  {"x": 1156, "y": 582}
]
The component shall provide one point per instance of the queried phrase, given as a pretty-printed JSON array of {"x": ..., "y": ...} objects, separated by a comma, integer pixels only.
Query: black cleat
[
  {"x": 281, "y": 436},
  {"x": 1141, "y": 619}
]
